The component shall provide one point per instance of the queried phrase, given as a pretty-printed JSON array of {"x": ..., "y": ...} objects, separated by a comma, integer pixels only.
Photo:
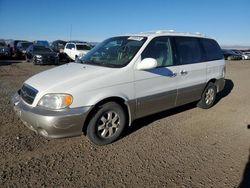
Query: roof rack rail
[
  {"x": 158, "y": 31},
  {"x": 172, "y": 31}
]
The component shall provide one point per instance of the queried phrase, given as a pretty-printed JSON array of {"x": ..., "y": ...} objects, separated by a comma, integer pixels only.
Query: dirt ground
[{"x": 183, "y": 147}]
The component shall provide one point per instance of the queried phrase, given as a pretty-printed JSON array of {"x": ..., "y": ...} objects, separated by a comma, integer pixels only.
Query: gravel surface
[{"x": 182, "y": 147}]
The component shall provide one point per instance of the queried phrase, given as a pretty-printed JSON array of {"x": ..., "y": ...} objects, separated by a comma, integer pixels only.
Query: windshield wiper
[{"x": 104, "y": 64}]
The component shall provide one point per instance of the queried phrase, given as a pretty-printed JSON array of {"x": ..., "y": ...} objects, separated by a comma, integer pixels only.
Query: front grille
[
  {"x": 49, "y": 58},
  {"x": 28, "y": 93}
]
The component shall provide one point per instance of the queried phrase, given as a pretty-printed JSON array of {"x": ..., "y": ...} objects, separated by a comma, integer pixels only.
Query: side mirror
[{"x": 147, "y": 63}]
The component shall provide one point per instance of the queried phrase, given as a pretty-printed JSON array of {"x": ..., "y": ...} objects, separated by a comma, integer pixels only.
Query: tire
[
  {"x": 208, "y": 96},
  {"x": 27, "y": 59},
  {"x": 107, "y": 124},
  {"x": 34, "y": 61}
]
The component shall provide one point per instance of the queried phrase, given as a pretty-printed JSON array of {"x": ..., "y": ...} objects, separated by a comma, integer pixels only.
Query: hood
[{"x": 64, "y": 77}]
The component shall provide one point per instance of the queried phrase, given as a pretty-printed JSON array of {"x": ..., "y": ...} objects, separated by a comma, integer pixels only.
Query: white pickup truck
[{"x": 74, "y": 50}]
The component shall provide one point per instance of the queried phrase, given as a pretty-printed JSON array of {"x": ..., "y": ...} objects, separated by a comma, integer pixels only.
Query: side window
[
  {"x": 160, "y": 49},
  {"x": 29, "y": 49},
  {"x": 68, "y": 46},
  {"x": 188, "y": 50},
  {"x": 212, "y": 49}
]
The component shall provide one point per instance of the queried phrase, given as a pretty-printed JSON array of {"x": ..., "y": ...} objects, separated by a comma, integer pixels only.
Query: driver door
[{"x": 156, "y": 89}]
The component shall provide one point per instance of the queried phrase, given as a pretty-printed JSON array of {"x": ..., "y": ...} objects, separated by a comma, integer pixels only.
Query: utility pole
[{"x": 70, "y": 32}]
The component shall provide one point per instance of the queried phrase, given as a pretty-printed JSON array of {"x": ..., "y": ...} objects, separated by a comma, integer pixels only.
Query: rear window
[
  {"x": 2, "y": 44},
  {"x": 212, "y": 49},
  {"x": 188, "y": 50},
  {"x": 26, "y": 45},
  {"x": 41, "y": 49},
  {"x": 82, "y": 47}
]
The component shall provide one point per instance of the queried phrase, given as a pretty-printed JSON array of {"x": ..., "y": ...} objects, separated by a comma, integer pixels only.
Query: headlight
[
  {"x": 55, "y": 101},
  {"x": 38, "y": 56}
]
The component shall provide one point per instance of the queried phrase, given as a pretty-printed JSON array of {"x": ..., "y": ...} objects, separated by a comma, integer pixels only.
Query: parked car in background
[
  {"x": 21, "y": 48},
  {"x": 238, "y": 52},
  {"x": 41, "y": 55},
  {"x": 58, "y": 45},
  {"x": 4, "y": 49},
  {"x": 13, "y": 45},
  {"x": 77, "y": 49},
  {"x": 41, "y": 43},
  {"x": 231, "y": 55},
  {"x": 246, "y": 55},
  {"x": 122, "y": 79}
]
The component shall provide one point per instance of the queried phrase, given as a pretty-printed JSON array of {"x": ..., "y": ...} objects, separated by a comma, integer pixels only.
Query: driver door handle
[{"x": 183, "y": 72}]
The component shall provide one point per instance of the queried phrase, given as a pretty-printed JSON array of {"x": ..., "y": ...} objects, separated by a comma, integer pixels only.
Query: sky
[{"x": 228, "y": 21}]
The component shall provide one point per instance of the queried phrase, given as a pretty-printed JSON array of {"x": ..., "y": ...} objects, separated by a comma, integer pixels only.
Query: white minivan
[{"x": 120, "y": 80}]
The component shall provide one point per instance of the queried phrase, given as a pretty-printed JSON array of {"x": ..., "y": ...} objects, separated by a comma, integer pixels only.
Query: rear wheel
[
  {"x": 107, "y": 124},
  {"x": 208, "y": 96}
]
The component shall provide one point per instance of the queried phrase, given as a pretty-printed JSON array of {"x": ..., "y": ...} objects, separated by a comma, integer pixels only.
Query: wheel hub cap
[
  {"x": 108, "y": 124},
  {"x": 209, "y": 96}
]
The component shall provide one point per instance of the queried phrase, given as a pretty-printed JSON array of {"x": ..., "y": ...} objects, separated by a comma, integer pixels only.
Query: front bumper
[
  {"x": 51, "y": 124},
  {"x": 47, "y": 61}
]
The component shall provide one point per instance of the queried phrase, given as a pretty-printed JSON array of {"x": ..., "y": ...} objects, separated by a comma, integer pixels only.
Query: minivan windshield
[{"x": 114, "y": 52}]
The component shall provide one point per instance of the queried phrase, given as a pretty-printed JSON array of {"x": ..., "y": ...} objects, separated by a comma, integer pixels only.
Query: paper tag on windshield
[{"x": 135, "y": 38}]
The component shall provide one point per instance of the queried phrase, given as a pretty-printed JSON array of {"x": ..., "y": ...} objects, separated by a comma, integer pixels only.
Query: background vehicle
[
  {"x": 4, "y": 49},
  {"x": 41, "y": 55},
  {"x": 21, "y": 48},
  {"x": 74, "y": 50},
  {"x": 246, "y": 55},
  {"x": 13, "y": 45},
  {"x": 41, "y": 43},
  {"x": 58, "y": 47},
  {"x": 231, "y": 55}
]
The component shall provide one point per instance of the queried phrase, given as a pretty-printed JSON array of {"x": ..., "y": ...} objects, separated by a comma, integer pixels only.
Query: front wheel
[
  {"x": 208, "y": 96},
  {"x": 107, "y": 124},
  {"x": 34, "y": 61}
]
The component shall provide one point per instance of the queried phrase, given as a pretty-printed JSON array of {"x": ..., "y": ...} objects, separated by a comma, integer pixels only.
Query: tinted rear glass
[
  {"x": 41, "y": 49},
  {"x": 212, "y": 49},
  {"x": 188, "y": 50},
  {"x": 2, "y": 44},
  {"x": 26, "y": 45},
  {"x": 82, "y": 47}
]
